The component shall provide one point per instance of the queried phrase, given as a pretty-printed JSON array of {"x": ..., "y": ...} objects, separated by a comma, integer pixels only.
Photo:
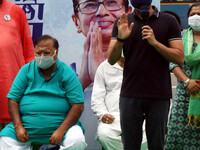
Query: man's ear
[
  {"x": 77, "y": 23},
  {"x": 56, "y": 54}
]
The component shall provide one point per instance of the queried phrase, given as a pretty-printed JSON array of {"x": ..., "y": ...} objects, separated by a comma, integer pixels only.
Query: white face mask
[
  {"x": 194, "y": 22},
  {"x": 45, "y": 62}
]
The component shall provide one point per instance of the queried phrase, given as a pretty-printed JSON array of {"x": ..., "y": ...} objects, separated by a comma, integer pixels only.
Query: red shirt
[{"x": 16, "y": 49}]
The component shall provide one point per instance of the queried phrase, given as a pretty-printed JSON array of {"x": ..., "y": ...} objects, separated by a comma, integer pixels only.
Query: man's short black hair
[{"x": 47, "y": 37}]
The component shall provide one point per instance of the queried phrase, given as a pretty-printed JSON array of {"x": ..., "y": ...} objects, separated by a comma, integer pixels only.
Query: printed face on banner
[
  {"x": 95, "y": 20},
  {"x": 100, "y": 13}
]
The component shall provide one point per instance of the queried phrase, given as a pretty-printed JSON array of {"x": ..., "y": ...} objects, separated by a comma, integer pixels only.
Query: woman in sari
[{"x": 183, "y": 129}]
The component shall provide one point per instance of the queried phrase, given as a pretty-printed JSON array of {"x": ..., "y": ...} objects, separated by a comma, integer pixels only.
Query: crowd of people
[{"x": 127, "y": 54}]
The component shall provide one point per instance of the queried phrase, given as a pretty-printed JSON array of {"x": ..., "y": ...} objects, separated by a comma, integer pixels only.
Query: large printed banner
[{"x": 54, "y": 17}]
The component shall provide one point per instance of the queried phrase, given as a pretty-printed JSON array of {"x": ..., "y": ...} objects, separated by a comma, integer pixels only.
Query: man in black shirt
[{"x": 150, "y": 40}]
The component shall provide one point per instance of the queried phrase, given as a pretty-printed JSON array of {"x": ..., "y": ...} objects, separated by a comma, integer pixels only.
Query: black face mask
[
  {"x": 144, "y": 12},
  {"x": 138, "y": 3}
]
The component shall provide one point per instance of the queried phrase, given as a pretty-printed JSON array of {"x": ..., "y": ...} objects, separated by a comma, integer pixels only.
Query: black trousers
[{"x": 133, "y": 111}]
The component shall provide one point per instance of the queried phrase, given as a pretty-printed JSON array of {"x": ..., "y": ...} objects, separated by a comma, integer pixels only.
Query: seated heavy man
[{"x": 45, "y": 103}]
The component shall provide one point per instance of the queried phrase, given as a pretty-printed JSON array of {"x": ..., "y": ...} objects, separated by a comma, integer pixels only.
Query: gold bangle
[{"x": 18, "y": 126}]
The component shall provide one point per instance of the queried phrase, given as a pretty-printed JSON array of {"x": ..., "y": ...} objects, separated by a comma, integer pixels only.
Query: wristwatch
[{"x": 186, "y": 82}]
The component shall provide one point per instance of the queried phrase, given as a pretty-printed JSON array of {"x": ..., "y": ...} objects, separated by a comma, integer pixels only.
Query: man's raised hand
[{"x": 124, "y": 30}]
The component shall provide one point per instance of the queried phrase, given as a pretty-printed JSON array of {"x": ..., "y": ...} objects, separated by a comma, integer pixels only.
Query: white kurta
[{"x": 105, "y": 100}]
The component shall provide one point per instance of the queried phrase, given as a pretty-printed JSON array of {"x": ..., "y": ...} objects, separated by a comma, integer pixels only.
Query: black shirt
[{"x": 146, "y": 71}]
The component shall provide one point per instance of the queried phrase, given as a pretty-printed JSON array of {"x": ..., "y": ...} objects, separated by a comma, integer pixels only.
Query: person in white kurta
[{"x": 105, "y": 104}]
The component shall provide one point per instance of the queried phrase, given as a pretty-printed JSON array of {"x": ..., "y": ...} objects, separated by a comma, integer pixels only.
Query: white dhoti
[
  {"x": 74, "y": 140},
  {"x": 109, "y": 135}
]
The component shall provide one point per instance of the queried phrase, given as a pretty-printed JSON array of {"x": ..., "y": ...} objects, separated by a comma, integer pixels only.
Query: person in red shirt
[{"x": 16, "y": 49}]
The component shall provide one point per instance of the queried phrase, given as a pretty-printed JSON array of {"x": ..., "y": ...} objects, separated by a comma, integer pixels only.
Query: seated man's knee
[
  {"x": 75, "y": 143},
  {"x": 103, "y": 133},
  {"x": 75, "y": 139},
  {"x": 7, "y": 143}
]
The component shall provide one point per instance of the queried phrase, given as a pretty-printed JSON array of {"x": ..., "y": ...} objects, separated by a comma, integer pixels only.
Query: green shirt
[{"x": 43, "y": 104}]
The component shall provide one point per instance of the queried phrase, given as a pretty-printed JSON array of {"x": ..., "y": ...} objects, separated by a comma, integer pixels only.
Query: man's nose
[
  {"x": 42, "y": 54},
  {"x": 102, "y": 10}
]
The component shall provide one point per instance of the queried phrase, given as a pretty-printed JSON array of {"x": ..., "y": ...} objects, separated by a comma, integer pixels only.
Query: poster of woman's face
[{"x": 95, "y": 20}]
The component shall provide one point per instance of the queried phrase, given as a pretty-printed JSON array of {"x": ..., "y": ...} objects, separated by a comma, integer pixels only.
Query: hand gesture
[
  {"x": 193, "y": 87},
  {"x": 108, "y": 118},
  {"x": 93, "y": 55},
  {"x": 22, "y": 134},
  {"x": 123, "y": 28},
  {"x": 148, "y": 34},
  {"x": 56, "y": 137},
  {"x": 84, "y": 75}
]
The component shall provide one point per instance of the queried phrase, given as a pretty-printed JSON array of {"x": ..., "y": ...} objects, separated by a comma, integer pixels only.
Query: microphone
[{"x": 144, "y": 12}]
